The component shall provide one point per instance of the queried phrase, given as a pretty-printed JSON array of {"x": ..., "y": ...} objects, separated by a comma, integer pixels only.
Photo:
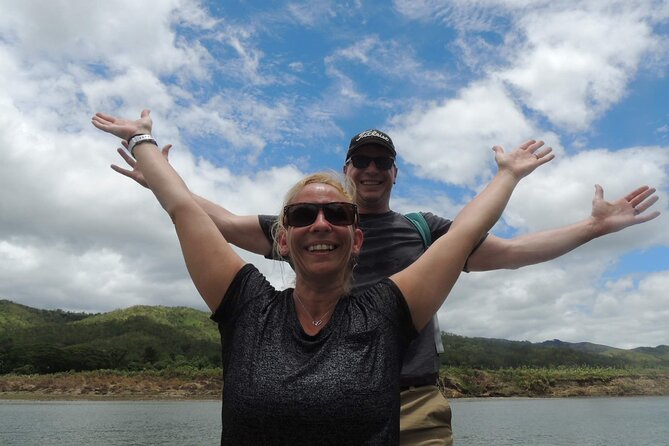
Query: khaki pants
[{"x": 425, "y": 418}]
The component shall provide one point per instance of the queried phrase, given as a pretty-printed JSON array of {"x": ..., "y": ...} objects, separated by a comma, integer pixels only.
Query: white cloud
[
  {"x": 389, "y": 59},
  {"x": 311, "y": 13},
  {"x": 573, "y": 72},
  {"x": 568, "y": 60},
  {"x": 118, "y": 34},
  {"x": 451, "y": 141},
  {"x": 559, "y": 300}
]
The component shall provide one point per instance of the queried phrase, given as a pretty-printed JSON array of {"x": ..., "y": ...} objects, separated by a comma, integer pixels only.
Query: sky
[{"x": 253, "y": 95}]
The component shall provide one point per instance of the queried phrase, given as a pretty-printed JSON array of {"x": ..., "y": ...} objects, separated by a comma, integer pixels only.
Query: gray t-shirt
[
  {"x": 285, "y": 387},
  {"x": 391, "y": 244}
]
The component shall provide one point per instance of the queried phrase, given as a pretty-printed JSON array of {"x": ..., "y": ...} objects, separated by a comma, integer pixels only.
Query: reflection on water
[
  {"x": 110, "y": 423},
  {"x": 628, "y": 421},
  {"x": 500, "y": 422}
]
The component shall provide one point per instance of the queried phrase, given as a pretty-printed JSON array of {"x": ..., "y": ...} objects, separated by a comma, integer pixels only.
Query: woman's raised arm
[{"x": 426, "y": 283}]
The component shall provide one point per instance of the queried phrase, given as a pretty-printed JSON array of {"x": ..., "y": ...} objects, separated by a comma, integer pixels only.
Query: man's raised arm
[
  {"x": 606, "y": 218},
  {"x": 243, "y": 231}
]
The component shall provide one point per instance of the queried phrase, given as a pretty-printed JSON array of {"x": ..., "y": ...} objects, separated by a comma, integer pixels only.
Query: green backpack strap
[
  {"x": 423, "y": 229},
  {"x": 419, "y": 222}
]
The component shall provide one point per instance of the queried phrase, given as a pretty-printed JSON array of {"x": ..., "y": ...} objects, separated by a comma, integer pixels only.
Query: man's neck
[{"x": 367, "y": 209}]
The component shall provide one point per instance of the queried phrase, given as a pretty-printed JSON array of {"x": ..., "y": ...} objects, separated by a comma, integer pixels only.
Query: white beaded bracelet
[{"x": 139, "y": 139}]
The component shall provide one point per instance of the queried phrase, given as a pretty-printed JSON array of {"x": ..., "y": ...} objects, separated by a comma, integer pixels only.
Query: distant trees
[
  {"x": 54, "y": 357},
  {"x": 160, "y": 338},
  {"x": 498, "y": 353},
  {"x": 41, "y": 341}
]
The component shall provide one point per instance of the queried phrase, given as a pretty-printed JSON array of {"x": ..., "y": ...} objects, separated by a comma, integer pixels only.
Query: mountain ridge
[{"x": 157, "y": 337}]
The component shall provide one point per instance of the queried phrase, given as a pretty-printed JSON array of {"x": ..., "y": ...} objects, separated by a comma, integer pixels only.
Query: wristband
[{"x": 139, "y": 139}]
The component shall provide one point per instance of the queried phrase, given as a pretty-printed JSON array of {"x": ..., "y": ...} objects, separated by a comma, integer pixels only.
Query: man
[{"x": 391, "y": 242}]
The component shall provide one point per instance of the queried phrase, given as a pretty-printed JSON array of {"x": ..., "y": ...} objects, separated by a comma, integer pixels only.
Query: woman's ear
[
  {"x": 282, "y": 244},
  {"x": 358, "y": 238}
]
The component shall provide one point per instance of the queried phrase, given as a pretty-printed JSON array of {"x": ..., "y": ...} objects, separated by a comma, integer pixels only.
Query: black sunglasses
[
  {"x": 303, "y": 214},
  {"x": 362, "y": 161}
]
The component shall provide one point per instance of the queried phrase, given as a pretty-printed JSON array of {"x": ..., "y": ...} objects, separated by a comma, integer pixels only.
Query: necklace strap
[{"x": 316, "y": 322}]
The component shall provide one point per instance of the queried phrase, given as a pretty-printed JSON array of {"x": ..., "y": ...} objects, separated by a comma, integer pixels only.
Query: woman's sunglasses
[
  {"x": 362, "y": 161},
  {"x": 303, "y": 214}
]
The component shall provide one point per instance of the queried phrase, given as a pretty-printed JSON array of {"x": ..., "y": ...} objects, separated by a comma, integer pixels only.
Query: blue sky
[{"x": 255, "y": 94}]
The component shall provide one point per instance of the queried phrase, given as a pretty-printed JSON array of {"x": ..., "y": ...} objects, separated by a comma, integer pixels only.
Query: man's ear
[
  {"x": 396, "y": 170},
  {"x": 345, "y": 168}
]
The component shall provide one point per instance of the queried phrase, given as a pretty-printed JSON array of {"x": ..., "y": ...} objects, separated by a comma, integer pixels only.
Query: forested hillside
[
  {"x": 136, "y": 338},
  {"x": 157, "y": 338}
]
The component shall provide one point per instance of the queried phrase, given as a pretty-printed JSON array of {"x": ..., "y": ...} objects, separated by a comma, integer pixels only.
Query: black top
[
  {"x": 285, "y": 387},
  {"x": 391, "y": 244}
]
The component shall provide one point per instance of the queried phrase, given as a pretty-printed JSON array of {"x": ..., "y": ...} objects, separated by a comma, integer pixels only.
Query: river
[{"x": 628, "y": 421}]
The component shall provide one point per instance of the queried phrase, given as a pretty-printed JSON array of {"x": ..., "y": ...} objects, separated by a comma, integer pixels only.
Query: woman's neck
[{"x": 315, "y": 305}]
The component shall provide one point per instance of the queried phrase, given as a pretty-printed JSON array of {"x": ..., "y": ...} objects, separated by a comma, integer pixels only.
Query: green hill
[
  {"x": 135, "y": 338},
  {"x": 499, "y": 353},
  {"x": 13, "y": 316},
  {"x": 156, "y": 337}
]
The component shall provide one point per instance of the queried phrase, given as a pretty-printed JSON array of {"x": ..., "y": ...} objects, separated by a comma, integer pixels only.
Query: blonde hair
[{"x": 341, "y": 183}]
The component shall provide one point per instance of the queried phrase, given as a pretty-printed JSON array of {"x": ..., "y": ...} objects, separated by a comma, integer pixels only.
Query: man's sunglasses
[
  {"x": 362, "y": 161},
  {"x": 303, "y": 214}
]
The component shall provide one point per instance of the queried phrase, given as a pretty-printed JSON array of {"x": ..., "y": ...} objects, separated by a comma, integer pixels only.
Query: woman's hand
[
  {"x": 524, "y": 159},
  {"x": 123, "y": 128}
]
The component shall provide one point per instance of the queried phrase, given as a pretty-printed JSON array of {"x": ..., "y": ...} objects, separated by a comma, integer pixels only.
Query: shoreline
[
  {"x": 207, "y": 385},
  {"x": 18, "y": 398}
]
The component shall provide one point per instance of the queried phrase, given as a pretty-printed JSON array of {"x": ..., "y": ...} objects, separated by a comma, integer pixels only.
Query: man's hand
[
  {"x": 135, "y": 173},
  {"x": 123, "y": 128},
  {"x": 524, "y": 159},
  {"x": 613, "y": 216}
]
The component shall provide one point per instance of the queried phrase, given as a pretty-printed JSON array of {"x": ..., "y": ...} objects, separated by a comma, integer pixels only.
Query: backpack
[{"x": 419, "y": 222}]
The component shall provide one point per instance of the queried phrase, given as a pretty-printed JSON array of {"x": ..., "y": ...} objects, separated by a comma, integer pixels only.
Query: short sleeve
[
  {"x": 388, "y": 300},
  {"x": 440, "y": 226},
  {"x": 248, "y": 284}
]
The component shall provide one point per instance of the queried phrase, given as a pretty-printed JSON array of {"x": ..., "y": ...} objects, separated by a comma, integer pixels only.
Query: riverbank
[
  {"x": 114, "y": 385},
  {"x": 455, "y": 383},
  {"x": 554, "y": 382}
]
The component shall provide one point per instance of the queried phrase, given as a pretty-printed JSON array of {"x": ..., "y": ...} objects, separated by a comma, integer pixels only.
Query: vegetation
[
  {"x": 137, "y": 338},
  {"x": 146, "y": 352},
  {"x": 500, "y": 354},
  {"x": 553, "y": 382}
]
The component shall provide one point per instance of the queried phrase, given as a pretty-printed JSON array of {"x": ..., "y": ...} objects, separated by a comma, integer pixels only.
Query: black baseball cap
[{"x": 371, "y": 136}]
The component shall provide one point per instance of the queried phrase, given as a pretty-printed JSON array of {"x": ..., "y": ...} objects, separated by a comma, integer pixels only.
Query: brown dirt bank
[
  {"x": 109, "y": 386},
  {"x": 456, "y": 383}
]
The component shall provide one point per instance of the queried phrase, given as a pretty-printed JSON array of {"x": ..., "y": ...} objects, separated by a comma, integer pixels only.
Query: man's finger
[
  {"x": 166, "y": 150},
  {"x": 646, "y": 217},
  {"x": 498, "y": 150},
  {"x": 535, "y": 146},
  {"x": 641, "y": 196},
  {"x": 127, "y": 158},
  {"x": 526, "y": 144},
  {"x": 635, "y": 192},
  {"x": 599, "y": 192},
  {"x": 646, "y": 204},
  {"x": 122, "y": 171}
]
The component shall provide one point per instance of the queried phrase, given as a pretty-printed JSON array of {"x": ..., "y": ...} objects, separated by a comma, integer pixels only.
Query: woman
[{"x": 314, "y": 364}]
